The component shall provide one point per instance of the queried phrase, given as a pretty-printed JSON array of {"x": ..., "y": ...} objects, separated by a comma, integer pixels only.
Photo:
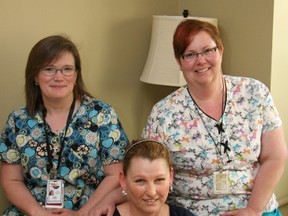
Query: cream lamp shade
[{"x": 161, "y": 67}]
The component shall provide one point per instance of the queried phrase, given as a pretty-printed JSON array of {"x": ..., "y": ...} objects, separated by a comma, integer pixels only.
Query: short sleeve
[
  {"x": 154, "y": 128},
  {"x": 270, "y": 115},
  {"x": 8, "y": 147},
  {"x": 113, "y": 139}
]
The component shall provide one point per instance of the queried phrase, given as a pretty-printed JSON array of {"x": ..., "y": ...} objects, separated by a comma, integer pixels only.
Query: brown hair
[
  {"x": 148, "y": 149},
  {"x": 190, "y": 27},
  {"x": 42, "y": 54}
]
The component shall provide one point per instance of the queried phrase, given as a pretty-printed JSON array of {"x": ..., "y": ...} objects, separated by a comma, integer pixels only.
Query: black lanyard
[
  {"x": 219, "y": 126},
  {"x": 69, "y": 119}
]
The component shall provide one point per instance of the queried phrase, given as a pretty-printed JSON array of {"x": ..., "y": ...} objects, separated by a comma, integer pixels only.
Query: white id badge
[
  {"x": 54, "y": 194},
  {"x": 221, "y": 184}
]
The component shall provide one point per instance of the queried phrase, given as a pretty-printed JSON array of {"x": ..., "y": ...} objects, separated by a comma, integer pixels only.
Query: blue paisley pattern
[
  {"x": 178, "y": 122},
  {"x": 95, "y": 138}
]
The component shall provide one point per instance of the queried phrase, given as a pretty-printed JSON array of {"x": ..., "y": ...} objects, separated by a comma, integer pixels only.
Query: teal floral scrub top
[
  {"x": 94, "y": 138},
  {"x": 195, "y": 141}
]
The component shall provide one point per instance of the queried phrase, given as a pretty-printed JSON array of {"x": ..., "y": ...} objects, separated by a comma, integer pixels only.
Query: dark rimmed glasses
[
  {"x": 192, "y": 56},
  {"x": 52, "y": 71}
]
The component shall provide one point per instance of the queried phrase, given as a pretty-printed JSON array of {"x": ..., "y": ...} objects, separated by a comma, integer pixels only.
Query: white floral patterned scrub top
[{"x": 192, "y": 137}]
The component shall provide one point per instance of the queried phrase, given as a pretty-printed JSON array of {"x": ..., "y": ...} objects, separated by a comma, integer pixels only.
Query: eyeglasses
[
  {"x": 192, "y": 56},
  {"x": 52, "y": 71}
]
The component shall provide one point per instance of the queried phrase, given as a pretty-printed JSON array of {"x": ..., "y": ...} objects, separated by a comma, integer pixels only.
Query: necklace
[{"x": 219, "y": 126}]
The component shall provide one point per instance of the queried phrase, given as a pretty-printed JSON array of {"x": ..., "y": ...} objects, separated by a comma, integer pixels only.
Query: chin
[
  {"x": 152, "y": 208},
  {"x": 151, "y": 211}
]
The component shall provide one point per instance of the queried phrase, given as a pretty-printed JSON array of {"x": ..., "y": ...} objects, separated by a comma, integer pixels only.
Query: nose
[
  {"x": 58, "y": 76},
  {"x": 200, "y": 58},
  {"x": 151, "y": 190},
  {"x": 56, "y": 71}
]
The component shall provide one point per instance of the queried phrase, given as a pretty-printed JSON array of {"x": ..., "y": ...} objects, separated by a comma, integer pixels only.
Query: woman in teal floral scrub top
[
  {"x": 224, "y": 132},
  {"x": 61, "y": 128}
]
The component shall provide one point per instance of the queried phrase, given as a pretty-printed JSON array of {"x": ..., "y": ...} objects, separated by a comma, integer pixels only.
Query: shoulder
[
  {"x": 246, "y": 86},
  {"x": 172, "y": 99},
  {"x": 179, "y": 211},
  {"x": 20, "y": 113},
  {"x": 90, "y": 103},
  {"x": 243, "y": 81},
  {"x": 87, "y": 100},
  {"x": 122, "y": 209},
  {"x": 116, "y": 212}
]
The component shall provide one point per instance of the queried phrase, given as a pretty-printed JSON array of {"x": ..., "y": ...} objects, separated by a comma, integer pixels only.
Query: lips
[
  {"x": 150, "y": 201},
  {"x": 202, "y": 70},
  {"x": 57, "y": 86}
]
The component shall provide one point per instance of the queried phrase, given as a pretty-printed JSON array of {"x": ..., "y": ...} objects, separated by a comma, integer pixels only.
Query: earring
[
  {"x": 36, "y": 83},
  {"x": 124, "y": 193},
  {"x": 171, "y": 188}
]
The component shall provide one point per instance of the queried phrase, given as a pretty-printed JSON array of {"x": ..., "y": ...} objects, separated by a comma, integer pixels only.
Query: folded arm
[
  {"x": 272, "y": 159},
  {"x": 107, "y": 195},
  {"x": 16, "y": 191}
]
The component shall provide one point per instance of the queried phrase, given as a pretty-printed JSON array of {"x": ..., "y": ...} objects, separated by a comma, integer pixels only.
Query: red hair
[{"x": 187, "y": 29}]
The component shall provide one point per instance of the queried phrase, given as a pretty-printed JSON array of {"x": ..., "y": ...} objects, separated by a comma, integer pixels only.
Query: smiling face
[
  {"x": 204, "y": 69},
  {"x": 58, "y": 86},
  {"x": 147, "y": 184}
]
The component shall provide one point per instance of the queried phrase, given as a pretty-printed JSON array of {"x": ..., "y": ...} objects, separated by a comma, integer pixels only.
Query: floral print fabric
[
  {"x": 95, "y": 138},
  {"x": 192, "y": 137}
]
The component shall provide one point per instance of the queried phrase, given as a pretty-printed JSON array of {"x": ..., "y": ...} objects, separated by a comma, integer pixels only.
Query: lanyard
[
  {"x": 50, "y": 168},
  {"x": 219, "y": 126}
]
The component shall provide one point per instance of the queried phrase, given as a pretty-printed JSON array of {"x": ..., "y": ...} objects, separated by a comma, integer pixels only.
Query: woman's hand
[
  {"x": 107, "y": 195},
  {"x": 41, "y": 212},
  {"x": 242, "y": 212},
  {"x": 105, "y": 207},
  {"x": 66, "y": 212}
]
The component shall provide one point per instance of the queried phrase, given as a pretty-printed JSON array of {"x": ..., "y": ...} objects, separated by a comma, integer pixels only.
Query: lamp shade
[{"x": 161, "y": 67}]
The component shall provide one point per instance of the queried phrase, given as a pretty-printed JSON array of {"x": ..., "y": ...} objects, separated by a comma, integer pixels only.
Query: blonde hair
[{"x": 148, "y": 149}]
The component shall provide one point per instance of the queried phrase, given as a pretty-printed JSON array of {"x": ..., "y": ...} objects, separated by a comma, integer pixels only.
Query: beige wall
[{"x": 113, "y": 38}]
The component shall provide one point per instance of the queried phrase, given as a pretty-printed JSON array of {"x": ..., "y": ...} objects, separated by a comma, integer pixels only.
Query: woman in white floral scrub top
[{"x": 224, "y": 132}]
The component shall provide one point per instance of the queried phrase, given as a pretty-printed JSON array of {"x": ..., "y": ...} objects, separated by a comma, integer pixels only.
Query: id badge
[
  {"x": 221, "y": 184},
  {"x": 54, "y": 194}
]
